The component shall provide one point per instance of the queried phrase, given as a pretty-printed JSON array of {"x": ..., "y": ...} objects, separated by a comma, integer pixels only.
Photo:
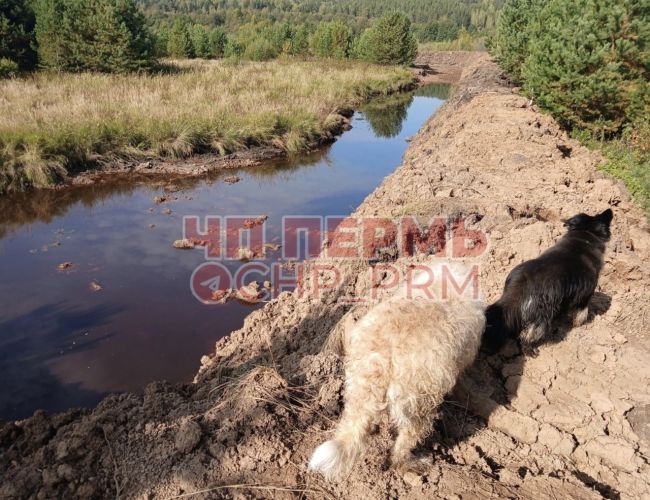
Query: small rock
[
  {"x": 412, "y": 479},
  {"x": 61, "y": 450},
  {"x": 65, "y": 471},
  {"x": 445, "y": 193},
  {"x": 184, "y": 244},
  {"x": 188, "y": 436},
  {"x": 50, "y": 477},
  {"x": 289, "y": 265},
  {"x": 151, "y": 226},
  {"x": 509, "y": 477},
  {"x": 222, "y": 296},
  {"x": 95, "y": 287},
  {"x": 64, "y": 265},
  {"x": 251, "y": 223},
  {"x": 250, "y": 293},
  {"x": 267, "y": 285},
  {"x": 86, "y": 490},
  {"x": 245, "y": 254},
  {"x": 274, "y": 247},
  {"x": 232, "y": 179},
  {"x": 159, "y": 199},
  {"x": 167, "y": 211}
]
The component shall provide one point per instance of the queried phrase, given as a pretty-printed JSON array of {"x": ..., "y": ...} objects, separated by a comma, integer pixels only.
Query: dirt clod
[
  {"x": 187, "y": 436},
  {"x": 184, "y": 244}
]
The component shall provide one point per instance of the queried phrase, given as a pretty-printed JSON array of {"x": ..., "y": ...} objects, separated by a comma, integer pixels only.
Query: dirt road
[{"x": 572, "y": 422}]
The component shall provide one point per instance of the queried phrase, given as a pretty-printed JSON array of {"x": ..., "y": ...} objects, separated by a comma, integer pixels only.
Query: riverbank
[
  {"x": 571, "y": 422},
  {"x": 54, "y": 127}
]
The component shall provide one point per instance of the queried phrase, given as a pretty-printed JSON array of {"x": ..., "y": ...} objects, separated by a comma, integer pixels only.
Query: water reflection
[
  {"x": 63, "y": 344},
  {"x": 386, "y": 116}
]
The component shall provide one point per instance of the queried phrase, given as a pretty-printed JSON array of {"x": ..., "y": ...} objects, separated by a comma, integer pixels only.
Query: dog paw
[
  {"x": 414, "y": 465},
  {"x": 529, "y": 351},
  {"x": 581, "y": 317}
]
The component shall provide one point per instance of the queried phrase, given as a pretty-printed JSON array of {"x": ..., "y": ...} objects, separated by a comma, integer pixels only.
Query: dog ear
[{"x": 606, "y": 217}]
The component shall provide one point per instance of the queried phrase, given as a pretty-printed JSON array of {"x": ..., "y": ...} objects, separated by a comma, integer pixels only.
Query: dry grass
[{"x": 54, "y": 124}]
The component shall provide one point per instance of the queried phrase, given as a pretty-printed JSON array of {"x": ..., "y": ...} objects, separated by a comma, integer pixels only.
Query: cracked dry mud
[{"x": 573, "y": 422}]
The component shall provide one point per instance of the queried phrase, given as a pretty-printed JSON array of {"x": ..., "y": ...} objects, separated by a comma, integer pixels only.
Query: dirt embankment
[
  {"x": 573, "y": 422},
  {"x": 443, "y": 66}
]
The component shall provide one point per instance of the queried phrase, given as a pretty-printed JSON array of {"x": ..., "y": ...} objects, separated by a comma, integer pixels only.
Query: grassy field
[
  {"x": 465, "y": 41},
  {"x": 52, "y": 125}
]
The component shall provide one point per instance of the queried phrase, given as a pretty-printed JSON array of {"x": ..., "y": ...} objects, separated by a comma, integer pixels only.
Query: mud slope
[{"x": 572, "y": 422}]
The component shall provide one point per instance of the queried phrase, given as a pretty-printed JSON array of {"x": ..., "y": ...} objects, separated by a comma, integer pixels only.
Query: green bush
[
  {"x": 217, "y": 40},
  {"x": 585, "y": 61},
  {"x": 588, "y": 62},
  {"x": 92, "y": 35},
  {"x": 180, "y": 41},
  {"x": 17, "y": 33},
  {"x": 200, "y": 41},
  {"x": 260, "y": 49},
  {"x": 331, "y": 40},
  {"x": 8, "y": 68},
  {"x": 439, "y": 31},
  {"x": 300, "y": 41},
  {"x": 389, "y": 41},
  {"x": 234, "y": 49},
  {"x": 510, "y": 44}
]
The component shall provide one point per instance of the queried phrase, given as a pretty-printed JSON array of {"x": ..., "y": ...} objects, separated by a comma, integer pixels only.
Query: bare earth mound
[{"x": 572, "y": 422}]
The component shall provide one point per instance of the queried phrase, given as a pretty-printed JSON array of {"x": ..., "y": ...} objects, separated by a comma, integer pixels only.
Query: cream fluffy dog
[{"x": 403, "y": 356}]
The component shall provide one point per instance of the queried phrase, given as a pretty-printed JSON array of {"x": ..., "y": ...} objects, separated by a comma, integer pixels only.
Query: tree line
[
  {"x": 433, "y": 20},
  {"x": 115, "y": 36},
  {"x": 389, "y": 40}
]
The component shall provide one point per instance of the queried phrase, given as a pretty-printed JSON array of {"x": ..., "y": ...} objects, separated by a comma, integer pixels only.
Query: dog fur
[
  {"x": 540, "y": 294},
  {"x": 403, "y": 356}
]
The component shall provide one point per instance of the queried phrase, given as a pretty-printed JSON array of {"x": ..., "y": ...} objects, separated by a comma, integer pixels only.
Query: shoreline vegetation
[{"x": 54, "y": 125}]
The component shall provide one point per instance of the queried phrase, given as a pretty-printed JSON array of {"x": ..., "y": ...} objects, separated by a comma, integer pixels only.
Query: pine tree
[
  {"x": 510, "y": 45},
  {"x": 180, "y": 42},
  {"x": 300, "y": 41},
  {"x": 200, "y": 41},
  {"x": 588, "y": 62},
  {"x": 217, "y": 42},
  {"x": 389, "y": 41},
  {"x": 92, "y": 35},
  {"x": 53, "y": 51},
  {"x": 162, "y": 41},
  {"x": 331, "y": 40},
  {"x": 17, "y": 33}
]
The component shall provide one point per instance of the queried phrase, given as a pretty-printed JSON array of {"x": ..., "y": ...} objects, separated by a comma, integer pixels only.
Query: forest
[{"x": 433, "y": 20}]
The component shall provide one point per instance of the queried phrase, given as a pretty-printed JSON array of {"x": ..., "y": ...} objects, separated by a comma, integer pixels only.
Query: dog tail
[
  {"x": 499, "y": 328},
  {"x": 334, "y": 458}
]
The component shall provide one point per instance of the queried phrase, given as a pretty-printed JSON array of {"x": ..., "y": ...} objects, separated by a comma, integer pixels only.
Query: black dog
[{"x": 556, "y": 286}]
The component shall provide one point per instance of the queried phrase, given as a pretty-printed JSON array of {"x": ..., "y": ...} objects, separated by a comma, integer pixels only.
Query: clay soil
[{"x": 572, "y": 422}]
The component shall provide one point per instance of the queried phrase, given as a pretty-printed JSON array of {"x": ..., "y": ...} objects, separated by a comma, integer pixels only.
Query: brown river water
[{"x": 64, "y": 344}]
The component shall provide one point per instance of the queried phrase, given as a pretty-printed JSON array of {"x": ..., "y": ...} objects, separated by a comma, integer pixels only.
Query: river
[{"x": 123, "y": 313}]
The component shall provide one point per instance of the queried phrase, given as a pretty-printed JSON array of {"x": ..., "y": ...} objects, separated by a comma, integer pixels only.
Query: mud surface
[{"x": 572, "y": 422}]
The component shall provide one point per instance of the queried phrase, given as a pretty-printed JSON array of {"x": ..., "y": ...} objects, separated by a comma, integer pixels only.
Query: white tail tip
[{"x": 326, "y": 459}]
